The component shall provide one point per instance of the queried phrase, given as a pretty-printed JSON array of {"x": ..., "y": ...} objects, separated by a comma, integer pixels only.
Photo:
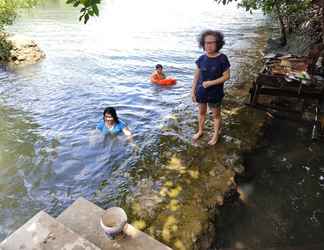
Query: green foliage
[
  {"x": 8, "y": 10},
  {"x": 287, "y": 7},
  {"x": 5, "y": 48},
  {"x": 225, "y": 1},
  {"x": 89, "y": 8},
  {"x": 288, "y": 12},
  {"x": 267, "y": 6},
  {"x": 7, "y": 14}
]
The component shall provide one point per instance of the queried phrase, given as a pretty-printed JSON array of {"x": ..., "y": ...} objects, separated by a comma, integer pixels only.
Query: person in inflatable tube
[
  {"x": 159, "y": 77},
  {"x": 212, "y": 71},
  {"x": 111, "y": 124}
]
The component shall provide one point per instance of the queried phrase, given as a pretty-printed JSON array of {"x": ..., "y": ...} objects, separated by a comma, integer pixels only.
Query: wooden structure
[{"x": 286, "y": 76}]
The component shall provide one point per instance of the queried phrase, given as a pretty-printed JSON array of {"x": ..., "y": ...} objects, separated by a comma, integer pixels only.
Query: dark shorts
[
  {"x": 214, "y": 105},
  {"x": 212, "y": 95}
]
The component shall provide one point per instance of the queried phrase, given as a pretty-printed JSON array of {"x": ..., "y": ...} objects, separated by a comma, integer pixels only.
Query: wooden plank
[
  {"x": 289, "y": 93},
  {"x": 270, "y": 108}
]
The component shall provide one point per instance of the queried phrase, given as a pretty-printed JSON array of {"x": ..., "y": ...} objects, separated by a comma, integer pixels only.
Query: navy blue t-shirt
[{"x": 211, "y": 68}]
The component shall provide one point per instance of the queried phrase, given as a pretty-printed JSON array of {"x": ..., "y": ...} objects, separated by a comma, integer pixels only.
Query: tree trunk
[
  {"x": 282, "y": 26},
  {"x": 322, "y": 9}
]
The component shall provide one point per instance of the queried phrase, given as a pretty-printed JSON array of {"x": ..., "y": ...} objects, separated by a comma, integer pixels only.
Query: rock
[
  {"x": 24, "y": 50},
  {"x": 220, "y": 200},
  {"x": 21, "y": 57},
  {"x": 235, "y": 162},
  {"x": 239, "y": 168}
]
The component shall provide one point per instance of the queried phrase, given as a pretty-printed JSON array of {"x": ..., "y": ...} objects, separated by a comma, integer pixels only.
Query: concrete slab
[
  {"x": 83, "y": 217},
  {"x": 43, "y": 232}
]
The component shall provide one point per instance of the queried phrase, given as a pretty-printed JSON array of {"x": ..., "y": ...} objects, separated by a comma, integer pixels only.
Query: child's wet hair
[
  {"x": 158, "y": 66},
  {"x": 112, "y": 112}
]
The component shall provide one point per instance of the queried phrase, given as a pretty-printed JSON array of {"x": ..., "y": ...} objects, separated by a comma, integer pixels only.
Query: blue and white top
[{"x": 116, "y": 129}]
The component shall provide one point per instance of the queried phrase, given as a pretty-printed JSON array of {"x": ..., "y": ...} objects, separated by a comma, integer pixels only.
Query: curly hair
[{"x": 218, "y": 36}]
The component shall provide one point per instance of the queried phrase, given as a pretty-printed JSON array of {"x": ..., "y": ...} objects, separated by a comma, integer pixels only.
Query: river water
[{"x": 49, "y": 155}]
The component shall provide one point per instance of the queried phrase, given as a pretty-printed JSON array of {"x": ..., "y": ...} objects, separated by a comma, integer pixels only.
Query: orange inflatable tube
[{"x": 167, "y": 81}]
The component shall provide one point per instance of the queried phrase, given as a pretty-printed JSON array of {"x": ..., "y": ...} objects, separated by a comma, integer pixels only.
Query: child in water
[
  {"x": 212, "y": 70},
  {"x": 159, "y": 77},
  {"x": 157, "y": 74},
  {"x": 110, "y": 124}
]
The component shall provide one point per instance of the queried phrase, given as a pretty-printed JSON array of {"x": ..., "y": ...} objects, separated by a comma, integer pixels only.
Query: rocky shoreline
[
  {"x": 179, "y": 205},
  {"x": 258, "y": 179}
]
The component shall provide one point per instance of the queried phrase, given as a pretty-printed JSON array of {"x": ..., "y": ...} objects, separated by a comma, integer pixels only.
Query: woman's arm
[
  {"x": 226, "y": 76},
  {"x": 128, "y": 134},
  {"x": 194, "y": 84},
  {"x": 100, "y": 125}
]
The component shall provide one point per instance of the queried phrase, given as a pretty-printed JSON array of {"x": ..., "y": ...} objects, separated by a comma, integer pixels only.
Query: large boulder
[{"x": 24, "y": 50}]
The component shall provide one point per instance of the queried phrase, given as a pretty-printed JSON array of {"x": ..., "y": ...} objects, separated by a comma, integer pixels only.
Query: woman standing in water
[
  {"x": 212, "y": 70},
  {"x": 110, "y": 124}
]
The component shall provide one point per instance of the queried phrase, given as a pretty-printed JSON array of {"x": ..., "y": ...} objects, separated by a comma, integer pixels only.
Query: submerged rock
[{"x": 177, "y": 202}]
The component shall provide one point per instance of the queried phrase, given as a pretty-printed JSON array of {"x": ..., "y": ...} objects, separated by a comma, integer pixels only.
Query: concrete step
[
  {"x": 43, "y": 232},
  {"x": 83, "y": 217}
]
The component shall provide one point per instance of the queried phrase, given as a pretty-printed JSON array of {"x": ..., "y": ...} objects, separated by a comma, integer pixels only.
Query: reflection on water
[
  {"x": 283, "y": 205},
  {"x": 49, "y": 154},
  {"x": 18, "y": 151}
]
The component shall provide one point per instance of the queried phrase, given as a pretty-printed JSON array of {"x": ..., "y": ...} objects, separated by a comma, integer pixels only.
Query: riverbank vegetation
[
  {"x": 293, "y": 16},
  {"x": 88, "y": 8},
  {"x": 8, "y": 13},
  {"x": 9, "y": 10}
]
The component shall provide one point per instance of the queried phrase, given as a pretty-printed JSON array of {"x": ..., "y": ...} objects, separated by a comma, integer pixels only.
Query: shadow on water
[{"x": 282, "y": 193}]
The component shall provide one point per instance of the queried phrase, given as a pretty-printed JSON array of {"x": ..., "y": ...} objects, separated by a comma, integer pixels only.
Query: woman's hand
[
  {"x": 206, "y": 84},
  {"x": 128, "y": 134}
]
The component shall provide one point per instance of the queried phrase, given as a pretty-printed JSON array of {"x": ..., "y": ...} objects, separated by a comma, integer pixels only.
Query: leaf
[
  {"x": 69, "y": 1},
  {"x": 86, "y": 18},
  {"x": 80, "y": 18},
  {"x": 95, "y": 9},
  {"x": 76, "y": 4},
  {"x": 86, "y": 3}
]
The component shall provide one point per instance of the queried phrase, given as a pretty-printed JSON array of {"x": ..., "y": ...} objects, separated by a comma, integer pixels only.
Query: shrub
[{"x": 5, "y": 47}]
